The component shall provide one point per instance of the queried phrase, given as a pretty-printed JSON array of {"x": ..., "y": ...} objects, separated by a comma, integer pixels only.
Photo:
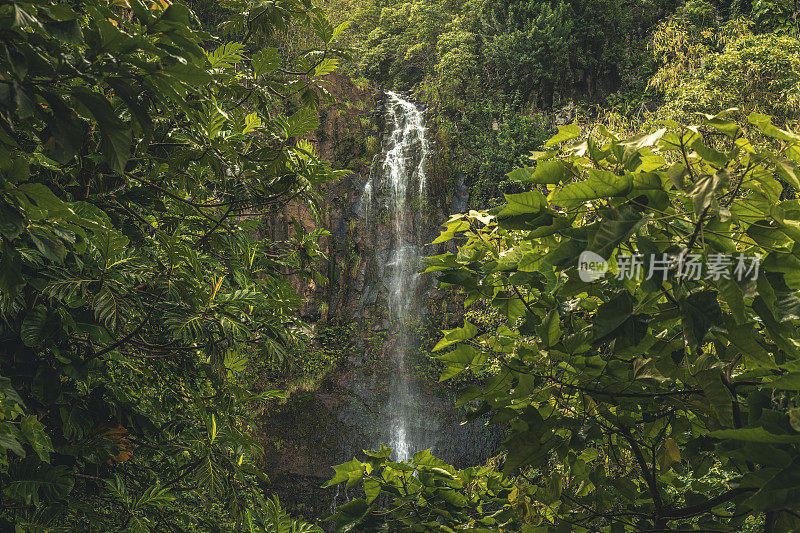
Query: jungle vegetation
[
  {"x": 629, "y": 403},
  {"x": 137, "y": 150},
  {"x": 142, "y": 140}
]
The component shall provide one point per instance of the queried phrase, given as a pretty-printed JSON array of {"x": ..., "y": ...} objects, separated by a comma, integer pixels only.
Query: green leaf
[
  {"x": 702, "y": 192},
  {"x": 782, "y": 491},
  {"x": 764, "y": 123},
  {"x": 48, "y": 243},
  {"x": 351, "y": 514},
  {"x": 115, "y": 136},
  {"x": 303, "y": 121},
  {"x": 716, "y": 158},
  {"x": 546, "y": 173},
  {"x": 616, "y": 226},
  {"x": 235, "y": 362},
  {"x": 732, "y": 295},
  {"x": 11, "y": 280},
  {"x": 612, "y": 315},
  {"x": 176, "y": 16},
  {"x": 450, "y": 230},
  {"x": 790, "y": 381},
  {"x": 189, "y": 73},
  {"x": 529, "y": 324},
  {"x": 33, "y": 430},
  {"x": 550, "y": 329},
  {"x": 565, "y": 133},
  {"x": 68, "y": 31},
  {"x": 32, "y": 331},
  {"x": 699, "y": 312},
  {"x": 668, "y": 454},
  {"x": 372, "y": 489},
  {"x": 351, "y": 472},
  {"x": 252, "y": 122},
  {"x": 759, "y": 435},
  {"x": 226, "y": 56},
  {"x": 107, "y": 307},
  {"x": 524, "y": 449},
  {"x": 266, "y": 60},
  {"x": 14, "y": 16},
  {"x": 25, "y": 101},
  {"x": 463, "y": 353},
  {"x": 788, "y": 171},
  {"x": 450, "y": 371},
  {"x": 600, "y": 184},
  {"x": 510, "y": 305},
  {"x": 12, "y": 222},
  {"x": 780, "y": 333},
  {"x": 42, "y": 197},
  {"x": 75, "y": 422},
  {"x": 326, "y": 66},
  {"x": 453, "y": 336},
  {"x": 719, "y": 123},
  {"x": 744, "y": 338},
  {"x": 111, "y": 245},
  {"x": 33, "y": 481},
  {"x": 10, "y": 437},
  {"x": 523, "y": 203}
]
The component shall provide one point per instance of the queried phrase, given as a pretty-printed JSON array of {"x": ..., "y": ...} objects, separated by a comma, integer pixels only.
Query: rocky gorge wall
[{"x": 347, "y": 410}]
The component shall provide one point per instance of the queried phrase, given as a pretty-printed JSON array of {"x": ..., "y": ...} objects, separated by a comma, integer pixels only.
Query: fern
[{"x": 271, "y": 518}]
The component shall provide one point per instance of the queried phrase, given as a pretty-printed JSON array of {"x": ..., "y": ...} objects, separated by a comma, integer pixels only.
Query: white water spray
[{"x": 402, "y": 176}]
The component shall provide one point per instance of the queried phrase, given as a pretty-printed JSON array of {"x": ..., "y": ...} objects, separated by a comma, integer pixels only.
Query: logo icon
[{"x": 591, "y": 266}]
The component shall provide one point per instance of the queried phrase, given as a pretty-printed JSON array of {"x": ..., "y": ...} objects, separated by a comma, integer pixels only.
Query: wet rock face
[
  {"x": 333, "y": 424},
  {"x": 380, "y": 219}
]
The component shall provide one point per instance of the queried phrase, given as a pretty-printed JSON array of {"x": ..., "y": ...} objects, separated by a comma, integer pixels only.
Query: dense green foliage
[
  {"x": 134, "y": 149},
  {"x": 494, "y": 70},
  {"x": 490, "y": 68},
  {"x": 632, "y": 402},
  {"x": 143, "y": 312},
  {"x": 709, "y": 67}
]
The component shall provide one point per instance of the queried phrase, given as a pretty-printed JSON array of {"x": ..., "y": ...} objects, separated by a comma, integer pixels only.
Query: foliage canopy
[
  {"x": 134, "y": 149},
  {"x": 631, "y": 402}
]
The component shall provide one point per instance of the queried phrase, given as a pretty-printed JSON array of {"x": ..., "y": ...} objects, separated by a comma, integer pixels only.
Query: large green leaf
[
  {"x": 545, "y": 172},
  {"x": 34, "y": 432},
  {"x": 700, "y": 311},
  {"x": 565, "y": 133},
  {"x": 11, "y": 279},
  {"x": 599, "y": 184},
  {"x": 351, "y": 472},
  {"x": 745, "y": 340},
  {"x": 764, "y": 123},
  {"x": 33, "y": 482},
  {"x": 524, "y": 203},
  {"x": 782, "y": 491},
  {"x": 266, "y": 60},
  {"x": 33, "y": 326},
  {"x": 616, "y": 226},
  {"x": 453, "y": 336},
  {"x": 759, "y": 435},
  {"x": 351, "y": 514},
  {"x": 611, "y": 315},
  {"x": 115, "y": 136},
  {"x": 702, "y": 192},
  {"x": 10, "y": 439}
]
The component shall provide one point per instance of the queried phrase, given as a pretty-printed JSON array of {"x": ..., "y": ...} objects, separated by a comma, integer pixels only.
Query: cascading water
[
  {"x": 377, "y": 397},
  {"x": 401, "y": 177}
]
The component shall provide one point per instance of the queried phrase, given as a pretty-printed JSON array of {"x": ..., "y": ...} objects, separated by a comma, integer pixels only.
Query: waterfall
[{"x": 400, "y": 177}]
